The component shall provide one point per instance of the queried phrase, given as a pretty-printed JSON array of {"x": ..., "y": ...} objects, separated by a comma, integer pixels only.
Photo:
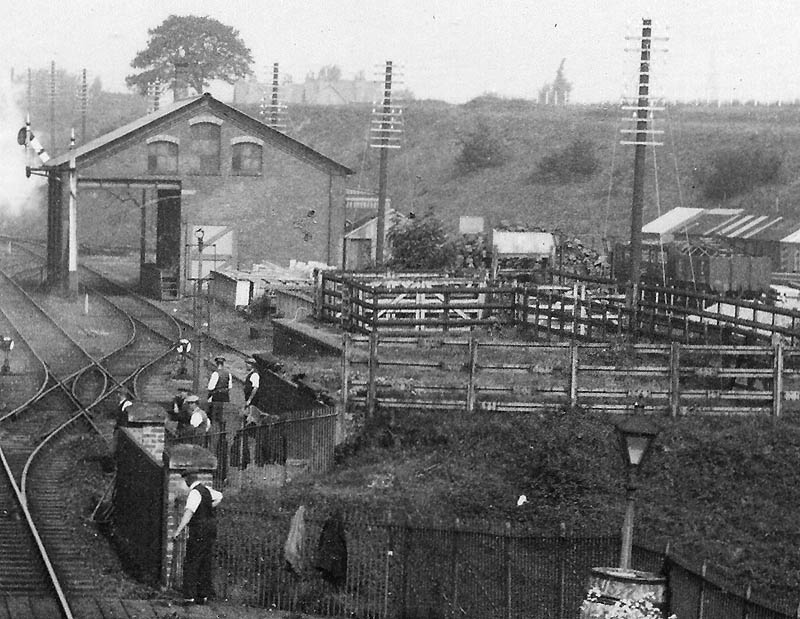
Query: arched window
[
  {"x": 246, "y": 157},
  {"x": 162, "y": 156},
  {"x": 205, "y": 148}
]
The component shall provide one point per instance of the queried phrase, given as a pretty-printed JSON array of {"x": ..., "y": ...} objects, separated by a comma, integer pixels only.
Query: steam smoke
[{"x": 17, "y": 193}]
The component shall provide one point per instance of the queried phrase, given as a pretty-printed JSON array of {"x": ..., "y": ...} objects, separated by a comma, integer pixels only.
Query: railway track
[{"x": 56, "y": 398}]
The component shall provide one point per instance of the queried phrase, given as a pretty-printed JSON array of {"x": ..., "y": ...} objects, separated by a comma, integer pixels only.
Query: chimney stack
[{"x": 181, "y": 89}]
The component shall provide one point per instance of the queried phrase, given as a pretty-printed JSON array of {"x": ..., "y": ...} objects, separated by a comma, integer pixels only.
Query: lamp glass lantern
[
  {"x": 200, "y": 235},
  {"x": 636, "y": 437}
]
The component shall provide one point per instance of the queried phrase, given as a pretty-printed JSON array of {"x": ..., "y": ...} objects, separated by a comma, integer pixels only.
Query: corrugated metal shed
[
  {"x": 671, "y": 220},
  {"x": 711, "y": 220},
  {"x": 732, "y": 223}
]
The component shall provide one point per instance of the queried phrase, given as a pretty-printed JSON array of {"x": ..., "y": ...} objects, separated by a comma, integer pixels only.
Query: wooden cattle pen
[
  {"x": 585, "y": 309},
  {"x": 460, "y": 344}
]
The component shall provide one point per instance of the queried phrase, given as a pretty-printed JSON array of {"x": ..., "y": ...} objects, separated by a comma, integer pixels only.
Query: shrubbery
[
  {"x": 420, "y": 244},
  {"x": 480, "y": 149},
  {"x": 574, "y": 162},
  {"x": 734, "y": 171}
]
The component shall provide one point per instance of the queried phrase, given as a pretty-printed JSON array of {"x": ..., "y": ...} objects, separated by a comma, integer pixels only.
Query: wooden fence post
[
  {"x": 674, "y": 378},
  {"x": 319, "y": 288},
  {"x": 777, "y": 378},
  {"x": 345, "y": 369},
  {"x": 525, "y": 301},
  {"x": 573, "y": 374},
  {"x": 446, "y": 310},
  {"x": 346, "y": 307},
  {"x": 373, "y": 371},
  {"x": 472, "y": 365}
]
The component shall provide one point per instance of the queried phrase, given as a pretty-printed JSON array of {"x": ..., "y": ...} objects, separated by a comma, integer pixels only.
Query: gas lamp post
[
  {"x": 636, "y": 437},
  {"x": 199, "y": 235}
]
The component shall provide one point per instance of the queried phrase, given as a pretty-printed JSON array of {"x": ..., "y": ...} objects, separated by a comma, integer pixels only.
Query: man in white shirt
[
  {"x": 200, "y": 518},
  {"x": 219, "y": 391},
  {"x": 252, "y": 383},
  {"x": 197, "y": 416}
]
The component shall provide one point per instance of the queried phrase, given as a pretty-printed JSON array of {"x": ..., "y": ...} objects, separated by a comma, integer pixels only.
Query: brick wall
[
  {"x": 293, "y": 210},
  {"x": 136, "y": 527}
]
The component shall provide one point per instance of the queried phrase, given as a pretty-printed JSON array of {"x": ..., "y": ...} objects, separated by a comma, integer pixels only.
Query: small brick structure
[{"x": 146, "y": 425}]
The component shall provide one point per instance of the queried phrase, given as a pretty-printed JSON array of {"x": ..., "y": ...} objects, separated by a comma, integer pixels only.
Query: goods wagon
[{"x": 709, "y": 268}]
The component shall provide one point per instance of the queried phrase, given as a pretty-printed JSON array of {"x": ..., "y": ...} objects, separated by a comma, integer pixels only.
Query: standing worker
[
  {"x": 198, "y": 419},
  {"x": 201, "y": 520},
  {"x": 124, "y": 403},
  {"x": 180, "y": 409},
  {"x": 121, "y": 416},
  {"x": 252, "y": 383},
  {"x": 219, "y": 392}
]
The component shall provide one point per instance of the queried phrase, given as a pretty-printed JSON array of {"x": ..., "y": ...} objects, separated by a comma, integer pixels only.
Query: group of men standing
[
  {"x": 199, "y": 517},
  {"x": 191, "y": 417}
]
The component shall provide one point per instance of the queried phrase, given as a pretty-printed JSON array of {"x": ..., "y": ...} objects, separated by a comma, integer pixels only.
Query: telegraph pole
[
  {"x": 53, "y": 144},
  {"x": 84, "y": 105},
  {"x": 642, "y": 113},
  {"x": 275, "y": 109},
  {"x": 385, "y": 130}
]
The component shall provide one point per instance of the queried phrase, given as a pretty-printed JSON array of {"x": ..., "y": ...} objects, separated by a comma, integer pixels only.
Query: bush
[
  {"x": 575, "y": 162},
  {"x": 479, "y": 149},
  {"x": 420, "y": 244},
  {"x": 734, "y": 171}
]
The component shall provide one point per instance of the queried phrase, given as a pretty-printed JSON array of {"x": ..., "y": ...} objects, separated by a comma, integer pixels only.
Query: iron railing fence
[
  {"x": 302, "y": 441},
  {"x": 406, "y": 570}
]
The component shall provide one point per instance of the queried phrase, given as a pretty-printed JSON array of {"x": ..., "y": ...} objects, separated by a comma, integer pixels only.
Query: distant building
[{"x": 311, "y": 92}]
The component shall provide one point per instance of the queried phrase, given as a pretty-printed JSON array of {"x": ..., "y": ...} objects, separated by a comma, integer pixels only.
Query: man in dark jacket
[
  {"x": 201, "y": 520},
  {"x": 219, "y": 392}
]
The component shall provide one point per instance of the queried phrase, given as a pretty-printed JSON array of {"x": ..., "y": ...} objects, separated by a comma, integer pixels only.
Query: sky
[{"x": 453, "y": 50}]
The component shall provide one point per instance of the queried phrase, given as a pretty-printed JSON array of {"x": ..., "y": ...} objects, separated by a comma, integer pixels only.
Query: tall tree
[{"x": 210, "y": 49}]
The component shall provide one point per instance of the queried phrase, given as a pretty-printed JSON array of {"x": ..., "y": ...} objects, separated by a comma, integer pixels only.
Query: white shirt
[
  {"x": 194, "y": 498},
  {"x": 199, "y": 418},
  {"x": 212, "y": 381},
  {"x": 254, "y": 380}
]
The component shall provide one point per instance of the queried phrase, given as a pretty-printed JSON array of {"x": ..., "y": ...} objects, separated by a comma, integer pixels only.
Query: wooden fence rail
[
  {"x": 586, "y": 310},
  {"x": 473, "y": 374}
]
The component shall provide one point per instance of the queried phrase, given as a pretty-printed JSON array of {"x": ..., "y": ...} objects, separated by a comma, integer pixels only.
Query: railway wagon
[{"x": 709, "y": 268}]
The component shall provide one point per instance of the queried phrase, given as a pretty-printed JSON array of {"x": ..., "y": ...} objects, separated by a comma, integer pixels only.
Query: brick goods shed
[{"x": 195, "y": 165}]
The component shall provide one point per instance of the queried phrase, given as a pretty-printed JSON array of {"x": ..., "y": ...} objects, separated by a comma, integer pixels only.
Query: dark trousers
[
  {"x": 215, "y": 413},
  {"x": 198, "y": 566}
]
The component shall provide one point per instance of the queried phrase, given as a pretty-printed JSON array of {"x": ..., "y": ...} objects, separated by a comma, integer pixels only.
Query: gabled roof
[{"x": 152, "y": 123}]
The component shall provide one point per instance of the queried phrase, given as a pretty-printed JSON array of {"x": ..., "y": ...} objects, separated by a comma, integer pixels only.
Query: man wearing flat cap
[
  {"x": 197, "y": 416},
  {"x": 219, "y": 391},
  {"x": 200, "y": 518}
]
